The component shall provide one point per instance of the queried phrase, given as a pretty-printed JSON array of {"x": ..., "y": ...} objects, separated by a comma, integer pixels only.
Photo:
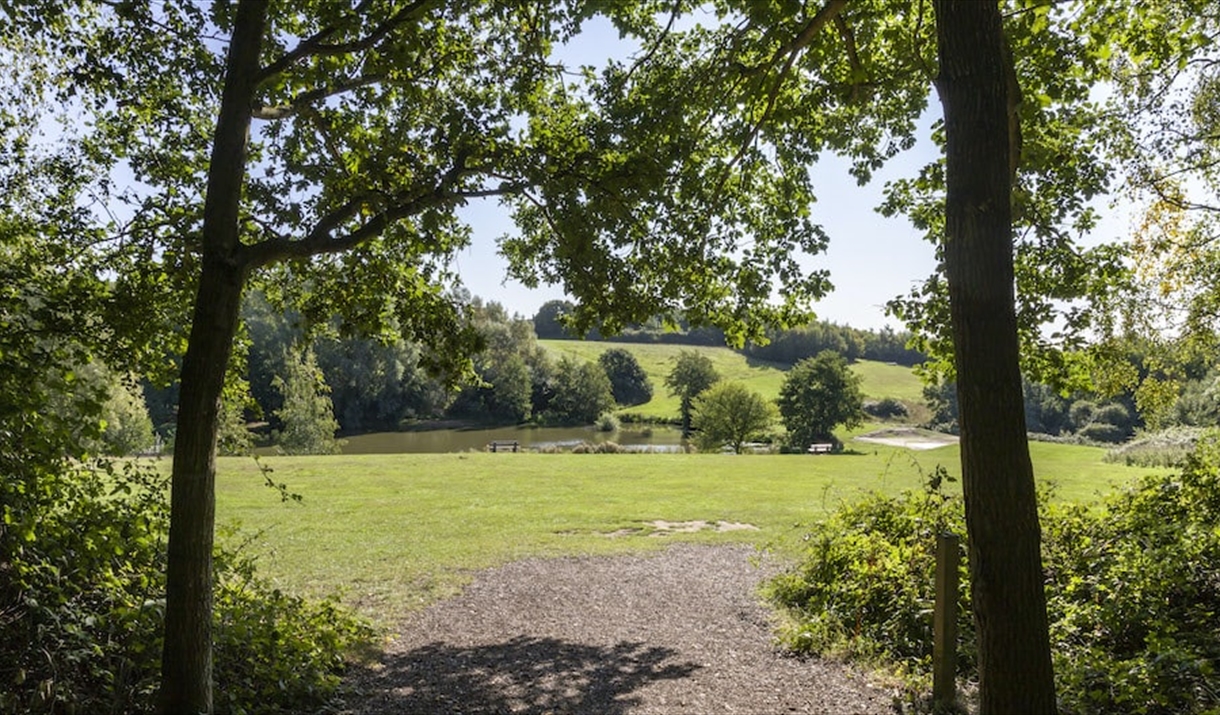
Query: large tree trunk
[
  {"x": 186, "y": 661},
  {"x": 1015, "y": 673}
]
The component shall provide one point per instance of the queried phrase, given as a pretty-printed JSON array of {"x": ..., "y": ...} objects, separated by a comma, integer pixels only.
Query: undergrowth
[
  {"x": 1166, "y": 448},
  {"x": 82, "y": 606},
  {"x": 1132, "y": 585}
]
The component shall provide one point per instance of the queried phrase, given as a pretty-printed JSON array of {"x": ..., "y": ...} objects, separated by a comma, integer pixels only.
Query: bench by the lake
[
  {"x": 504, "y": 446},
  {"x": 821, "y": 448}
]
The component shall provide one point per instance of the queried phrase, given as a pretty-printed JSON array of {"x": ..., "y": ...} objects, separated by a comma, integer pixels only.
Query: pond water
[{"x": 660, "y": 439}]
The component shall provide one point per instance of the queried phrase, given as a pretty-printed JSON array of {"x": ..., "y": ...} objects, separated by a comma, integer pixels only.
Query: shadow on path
[{"x": 525, "y": 675}]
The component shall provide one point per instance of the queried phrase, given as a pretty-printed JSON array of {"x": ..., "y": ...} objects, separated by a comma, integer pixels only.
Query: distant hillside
[{"x": 879, "y": 379}]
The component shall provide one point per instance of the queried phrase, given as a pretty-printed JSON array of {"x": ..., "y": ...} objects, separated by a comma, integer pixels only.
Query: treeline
[
  {"x": 1187, "y": 398},
  {"x": 785, "y": 346},
  {"x": 301, "y": 388}
]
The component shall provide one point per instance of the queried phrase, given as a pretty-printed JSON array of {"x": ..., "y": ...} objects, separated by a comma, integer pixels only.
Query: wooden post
[{"x": 944, "y": 622}]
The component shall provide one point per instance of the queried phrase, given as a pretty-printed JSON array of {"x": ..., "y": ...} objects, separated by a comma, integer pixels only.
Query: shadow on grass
[{"x": 525, "y": 675}]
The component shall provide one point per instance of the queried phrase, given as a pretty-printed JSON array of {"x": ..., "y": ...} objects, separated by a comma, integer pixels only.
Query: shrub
[
  {"x": 863, "y": 587},
  {"x": 1102, "y": 432},
  {"x": 277, "y": 653},
  {"x": 1166, "y": 448},
  {"x": 1132, "y": 591},
  {"x": 886, "y": 409},
  {"x": 82, "y": 598},
  {"x": 607, "y": 422}
]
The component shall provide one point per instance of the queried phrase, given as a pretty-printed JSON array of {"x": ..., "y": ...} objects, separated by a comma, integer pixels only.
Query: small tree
[
  {"x": 581, "y": 392},
  {"x": 819, "y": 394},
  {"x": 307, "y": 414},
  {"x": 729, "y": 413},
  {"x": 692, "y": 374},
  {"x": 628, "y": 380}
]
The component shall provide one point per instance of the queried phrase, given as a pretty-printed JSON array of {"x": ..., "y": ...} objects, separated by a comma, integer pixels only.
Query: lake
[{"x": 661, "y": 439}]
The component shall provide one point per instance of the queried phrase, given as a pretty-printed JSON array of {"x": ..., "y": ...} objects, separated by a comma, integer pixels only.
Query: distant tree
[
  {"x": 505, "y": 396},
  {"x": 307, "y": 414},
  {"x": 581, "y": 392},
  {"x": 128, "y": 427},
  {"x": 941, "y": 398},
  {"x": 630, "y": 384},
  {"x": 729, "y": 413},
  {"x": 546, "y": 320},
  {"x": 692, "y": 374},
  {"x": 506, "y": 368},
  {"x": 819, "y": 394}
]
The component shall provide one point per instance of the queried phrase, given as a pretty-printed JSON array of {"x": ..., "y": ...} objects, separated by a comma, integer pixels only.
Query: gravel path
[{"x": 676, "y": 632}]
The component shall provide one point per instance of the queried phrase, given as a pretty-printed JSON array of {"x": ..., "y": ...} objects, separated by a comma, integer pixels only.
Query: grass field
[
  {"x": 878, "y": 379},
  {"x": 394, "y": 532}
]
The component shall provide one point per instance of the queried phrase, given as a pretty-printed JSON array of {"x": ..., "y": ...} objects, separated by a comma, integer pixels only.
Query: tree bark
[
  {"x": 186, "y": 659},
  {"x": 1015, "y": 674}
]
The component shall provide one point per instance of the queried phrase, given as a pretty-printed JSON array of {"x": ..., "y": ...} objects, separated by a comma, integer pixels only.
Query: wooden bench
[
  {"x": 504, "y": 446},
  {"x": 821, "y": 448}
]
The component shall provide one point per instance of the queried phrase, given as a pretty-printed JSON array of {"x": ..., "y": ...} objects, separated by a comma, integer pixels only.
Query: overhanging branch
[{"x": 316, "y": 44}]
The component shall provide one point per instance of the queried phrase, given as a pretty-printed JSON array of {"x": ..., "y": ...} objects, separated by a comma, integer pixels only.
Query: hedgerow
[{"x": 1132, "y": 585}]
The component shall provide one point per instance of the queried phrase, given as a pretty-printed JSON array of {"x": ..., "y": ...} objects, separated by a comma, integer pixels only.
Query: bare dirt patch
[
  {"x": 664, "y": 528},
  {"x": 661, "y": 528},
  {"x": 909, "y": 437}
]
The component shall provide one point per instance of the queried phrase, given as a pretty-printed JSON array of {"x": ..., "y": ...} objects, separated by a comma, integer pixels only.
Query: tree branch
[
  {"x": 298, "y": 102},
  {"x": 826, "y": 14},
  {"x": 320, "y": 241},
  {"x": 315, "y": 45}
]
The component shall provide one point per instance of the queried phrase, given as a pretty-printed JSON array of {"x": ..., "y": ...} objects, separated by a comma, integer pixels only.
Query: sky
[{"x": 871, "y": 259}]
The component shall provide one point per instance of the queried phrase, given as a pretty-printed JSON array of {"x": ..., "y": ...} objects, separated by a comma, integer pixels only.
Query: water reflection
[{"x": 661, "y": 439}]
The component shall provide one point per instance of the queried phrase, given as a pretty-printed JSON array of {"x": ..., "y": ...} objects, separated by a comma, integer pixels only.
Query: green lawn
[
  {"x": 879, "y": 379},
  {"x": 394, "y": 532}
]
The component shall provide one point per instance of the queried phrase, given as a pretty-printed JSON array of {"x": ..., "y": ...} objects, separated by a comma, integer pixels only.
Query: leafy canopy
[
  {"x": 819, "y": 394},
  {"x": 729, "y": 414}
]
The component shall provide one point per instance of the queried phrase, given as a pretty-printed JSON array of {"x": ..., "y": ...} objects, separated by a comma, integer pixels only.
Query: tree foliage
[
  {"x": 729, "y": 414},
  {"x": 581, "y": 393},
  {"x": 307, "y": 415},
  {"x": 819, "y": 394},
  {"x": 867, "y": 574},
  {"x": 691, "y": 374},
  {"x": 628, "y": 380}
]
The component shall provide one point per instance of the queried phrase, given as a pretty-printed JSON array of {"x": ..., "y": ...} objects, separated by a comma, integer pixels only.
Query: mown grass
[
  {"x": 879, "y": 379},
  {"x": 394, "y": 532}
]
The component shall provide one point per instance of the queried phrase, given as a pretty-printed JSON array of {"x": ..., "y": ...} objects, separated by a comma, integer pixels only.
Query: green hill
[{"x": 879, "y": 379}]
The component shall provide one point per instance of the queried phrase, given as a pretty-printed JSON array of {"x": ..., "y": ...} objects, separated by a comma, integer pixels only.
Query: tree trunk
[
  {"x": 186, "y": 660},
  {"x": 1015, "y": 674}
]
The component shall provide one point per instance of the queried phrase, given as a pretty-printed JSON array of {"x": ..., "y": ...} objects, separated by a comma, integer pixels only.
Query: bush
[
  {"x": 1102, "y": 432},
  {"x": 83, "y": 607},
  {"x": 607, "y": 422},
  {"x": 277, "y": 653},
  {"x": 863, "y": 587},
  {"x": 1132, "y": 589},
  {"x": 1166, "y": 448},
  {"x": 887, "y": 408}
]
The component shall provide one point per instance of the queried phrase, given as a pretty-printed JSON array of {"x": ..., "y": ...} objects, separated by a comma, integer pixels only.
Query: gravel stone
[{"x": 679, "y": 631}]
